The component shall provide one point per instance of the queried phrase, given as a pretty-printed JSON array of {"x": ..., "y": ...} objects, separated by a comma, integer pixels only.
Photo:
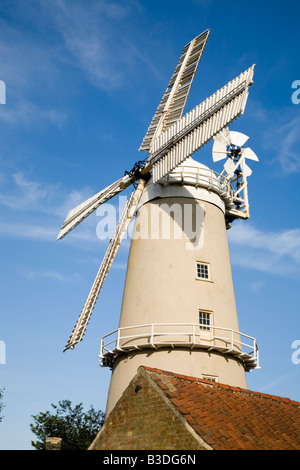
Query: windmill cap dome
[
  {"x": 192, "y": 163},
  {"x": 190, "y": 179},
  {"x": 188, "y": 172}
]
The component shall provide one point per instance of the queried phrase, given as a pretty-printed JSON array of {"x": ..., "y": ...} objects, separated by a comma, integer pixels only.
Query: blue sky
[{"x": 83, "y": 80}]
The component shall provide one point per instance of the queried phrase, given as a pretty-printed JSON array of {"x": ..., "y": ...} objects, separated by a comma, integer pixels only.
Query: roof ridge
[{"x": 221, "y": 385}]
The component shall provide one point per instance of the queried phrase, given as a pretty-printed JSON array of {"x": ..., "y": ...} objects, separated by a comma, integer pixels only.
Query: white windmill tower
[{"x": 178, "y": 310}]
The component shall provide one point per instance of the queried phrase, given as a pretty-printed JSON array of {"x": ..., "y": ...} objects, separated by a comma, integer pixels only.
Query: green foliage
[{"x": 76, "y": 428}]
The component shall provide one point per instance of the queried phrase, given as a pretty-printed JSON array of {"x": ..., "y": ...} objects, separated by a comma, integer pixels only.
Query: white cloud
[
  {"x": 281, "y": 139},
  {"x": 279, "y": 380},
  {"x": 23, "y": 194},
  {"x": 48, "y": 233},
  {"x": 277, "y": 131},
  {"x": 287, "y": 142},
  {"x": 55, "y": 275},
  {"x": 272, "y": 252},
  {"x": 19, "y": 192},
  {"x": 40, "y": 209},
  {"x": 98, "y": 37},
  {"x": 284, "y": 242},
  {"x": 119, "y": 266},
  {"x": 27, "y": 113},
  {"x": 28, "y": 231},
  {"x": 257, "y": 286}
]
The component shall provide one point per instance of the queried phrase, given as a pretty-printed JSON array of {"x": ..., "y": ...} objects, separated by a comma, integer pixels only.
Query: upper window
[{"x": 203, "y": 271}]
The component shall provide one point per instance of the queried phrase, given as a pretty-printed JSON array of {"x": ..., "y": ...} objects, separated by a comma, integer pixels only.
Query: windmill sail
[
  {"x": 198, "y": 126},
  {"x": 127, "y": 214},
  {"x": 173, "y": 101},
  {"x": 79, "y": 213}
]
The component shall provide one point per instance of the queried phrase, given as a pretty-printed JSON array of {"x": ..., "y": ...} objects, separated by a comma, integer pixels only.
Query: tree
[
  {"x": 1, "y": 403},
  {"x": 76, "y": 428}
]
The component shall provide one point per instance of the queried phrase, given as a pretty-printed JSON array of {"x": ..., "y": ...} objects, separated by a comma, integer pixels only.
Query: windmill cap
[
  {"x": 192, "y": 163},
  {"x": 190, "y": 179},
  {"x": 187, "y": 172}
]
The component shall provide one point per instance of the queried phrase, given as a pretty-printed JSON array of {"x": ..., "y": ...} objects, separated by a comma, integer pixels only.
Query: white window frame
[
  {"x": 203, "y": 326},
  {"x": 211, "y": 378},
  {"x": 207, "y": 265}
]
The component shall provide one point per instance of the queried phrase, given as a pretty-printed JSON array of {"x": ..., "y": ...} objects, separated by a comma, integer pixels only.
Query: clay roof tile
[{"x": 228, "y": 417}]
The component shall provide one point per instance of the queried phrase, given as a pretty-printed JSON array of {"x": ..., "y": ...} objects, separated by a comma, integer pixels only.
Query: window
[
  {"x": 212, "y": 378},
  {"x": 204, "y": 320},
  {"x": 203, "y": 271}
]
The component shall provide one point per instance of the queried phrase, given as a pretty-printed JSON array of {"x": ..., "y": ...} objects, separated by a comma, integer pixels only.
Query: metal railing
[
  {"x": 213, "y": 181},
  {"x": 174, "y": 335}
]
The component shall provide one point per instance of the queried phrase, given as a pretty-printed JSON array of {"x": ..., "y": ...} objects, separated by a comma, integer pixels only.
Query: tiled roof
[{"x": 231, "y": 418}]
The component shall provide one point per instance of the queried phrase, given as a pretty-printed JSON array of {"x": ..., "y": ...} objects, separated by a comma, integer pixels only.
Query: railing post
[
  {"x": 255, "y": 351},
  {"x": 118, "y": 338}
]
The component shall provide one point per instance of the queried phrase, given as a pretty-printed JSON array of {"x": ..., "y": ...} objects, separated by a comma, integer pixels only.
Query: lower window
[
  {"x": 212, "y": 378},
  {"x": 204, "y": 320}
]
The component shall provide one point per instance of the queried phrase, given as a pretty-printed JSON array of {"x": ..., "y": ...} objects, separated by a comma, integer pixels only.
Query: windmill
[{"x": 170, "y": 141}]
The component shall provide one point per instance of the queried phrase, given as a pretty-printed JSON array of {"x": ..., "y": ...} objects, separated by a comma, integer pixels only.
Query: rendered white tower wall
[{"x": 162, "y": 287}]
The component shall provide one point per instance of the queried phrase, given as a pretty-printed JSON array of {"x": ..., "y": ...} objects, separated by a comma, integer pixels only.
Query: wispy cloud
[
  {"x": 28, "y": 231},
  {"x": 27, "y": 113},
  {"x": 34, "y": 231},
  {"x": 30, "y": 274},
  {"x": 280, "y": 138},
  {"x": 284, "y": 242},
  {"x": 285, "y": 147},
  {"x": 24, "y": 194},
  {"x": 279, "y": 380},
  {"x": 21, "y": 193},
  {"x": 96, "y": 36},
  {"x": 273, "y": 252},
  {"x": 257, "y": 286},
  {"x": 35, "y": 210}
]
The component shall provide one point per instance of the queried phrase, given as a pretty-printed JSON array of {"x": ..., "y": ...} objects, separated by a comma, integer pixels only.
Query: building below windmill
[{"x": 161, "y": 410}]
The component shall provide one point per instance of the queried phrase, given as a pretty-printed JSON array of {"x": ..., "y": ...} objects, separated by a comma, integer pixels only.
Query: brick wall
[{"x": 144, "y": 419}]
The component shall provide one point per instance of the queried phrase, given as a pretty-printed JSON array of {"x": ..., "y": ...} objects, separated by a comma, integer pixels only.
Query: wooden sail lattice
[{"x": 83, "y": 320}]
